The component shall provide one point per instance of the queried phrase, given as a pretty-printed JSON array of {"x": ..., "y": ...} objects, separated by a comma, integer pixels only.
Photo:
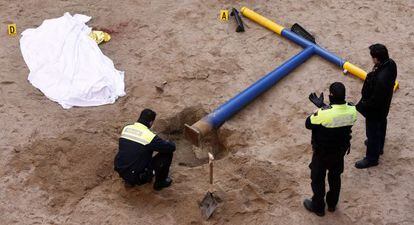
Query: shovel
[{"x": 209, "y": 202}]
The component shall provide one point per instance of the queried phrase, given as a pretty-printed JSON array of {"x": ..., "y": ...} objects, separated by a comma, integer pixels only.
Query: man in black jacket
[
  {"x": 375, "y": 103},
  {"x": 331, "y": 134},
  {"x": 134, "y": 161}
]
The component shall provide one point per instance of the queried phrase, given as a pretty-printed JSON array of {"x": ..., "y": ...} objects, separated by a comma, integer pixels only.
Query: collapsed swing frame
[{"x": 219, "y": 116}]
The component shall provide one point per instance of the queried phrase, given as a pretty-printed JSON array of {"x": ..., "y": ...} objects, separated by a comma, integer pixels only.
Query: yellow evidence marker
[
  {"x": 224, "y": 15},
  {"x": 11, "y": 29}
]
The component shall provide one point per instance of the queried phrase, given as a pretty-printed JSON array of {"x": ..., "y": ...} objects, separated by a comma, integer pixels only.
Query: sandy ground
[{"x": 56, "y": 166}]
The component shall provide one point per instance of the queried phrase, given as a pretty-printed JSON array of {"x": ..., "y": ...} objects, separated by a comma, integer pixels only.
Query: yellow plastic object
[
  {"x": 262, "y": 20},
  {"x": 100, "y": 36},
  {"x": 11, "y": 29}
]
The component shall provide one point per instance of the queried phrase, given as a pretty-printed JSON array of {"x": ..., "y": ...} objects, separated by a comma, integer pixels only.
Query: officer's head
[
  {"x": 337, "y": 93},
  {"x": 147, "y": 117},
  {"x": 379, "y": 53}
]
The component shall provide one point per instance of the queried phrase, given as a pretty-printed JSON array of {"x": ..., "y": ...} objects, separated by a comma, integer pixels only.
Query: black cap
[
  {"x": 146, "y": 117},
  {"x": 337, "y": 93},
  {"x": 379, "y": 51}
]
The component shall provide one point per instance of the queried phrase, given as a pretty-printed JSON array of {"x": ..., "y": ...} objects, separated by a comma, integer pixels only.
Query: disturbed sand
[{"x": 56, "y": 166}]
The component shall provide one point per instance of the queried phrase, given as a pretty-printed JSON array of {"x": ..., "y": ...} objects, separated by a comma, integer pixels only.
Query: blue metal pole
[
  {"x": 231, "y": 107},
  {"x": 329, "y": 56},
  {"x": 215, "y": 119},
  {"x": 318, "y": 50},
  {"x": 304, "y": 43}
]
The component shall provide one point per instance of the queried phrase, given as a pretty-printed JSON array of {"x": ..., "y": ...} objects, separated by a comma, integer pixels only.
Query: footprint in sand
[{"x": 7, "y": 82}]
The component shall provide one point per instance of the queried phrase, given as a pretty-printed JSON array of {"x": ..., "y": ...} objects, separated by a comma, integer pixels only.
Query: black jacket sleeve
[
  {"x": 308, "y": 124},
  {"x": 159, "y": 145},
  {"x": 377, "y": 97},
  {"x": 360, "y": 107}
]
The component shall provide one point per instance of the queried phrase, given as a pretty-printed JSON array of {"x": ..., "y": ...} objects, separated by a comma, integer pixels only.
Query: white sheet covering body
[{"x": 68, "y": 66}]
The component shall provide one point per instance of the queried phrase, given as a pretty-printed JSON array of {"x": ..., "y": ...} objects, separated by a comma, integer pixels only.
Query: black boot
[
  {"x": 365, "y": 163},
  {"x": 309, "y": 206},
  {"x": 159, "y": 185}
]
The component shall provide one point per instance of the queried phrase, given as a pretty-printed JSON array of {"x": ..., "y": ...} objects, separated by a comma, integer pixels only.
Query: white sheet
[{"x": 68, "y": 66}]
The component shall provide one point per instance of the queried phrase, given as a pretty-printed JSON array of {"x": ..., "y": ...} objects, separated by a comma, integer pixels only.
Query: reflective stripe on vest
[
  {"x": 336, "y": 116},
  {"x": 139, "y": 133}
]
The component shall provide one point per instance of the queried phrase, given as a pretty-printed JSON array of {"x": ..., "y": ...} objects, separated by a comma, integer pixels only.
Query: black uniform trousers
[
  {"x": 331, "y": 160},
  {"x": 376, "y": 130},
  {"x": 161, "y": 163}
]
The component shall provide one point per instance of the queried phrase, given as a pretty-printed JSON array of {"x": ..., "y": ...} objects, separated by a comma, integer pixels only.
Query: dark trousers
[
  {"x": 321, "y": 163},
  {"x": 161, "y": 163},
  {"x": 376, "y": 130}
]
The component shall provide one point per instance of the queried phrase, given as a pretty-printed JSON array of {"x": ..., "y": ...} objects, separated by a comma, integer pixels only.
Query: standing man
[
  {"x": 134, "y": 161},
  {"x": 375, "y": 103},
  {"x": 331, "y": 135}
]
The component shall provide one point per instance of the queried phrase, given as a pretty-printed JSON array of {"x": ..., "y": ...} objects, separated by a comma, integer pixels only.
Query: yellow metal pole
[
  {"x": 262, "y": 20},
  {"x": 355, "y": 70}
]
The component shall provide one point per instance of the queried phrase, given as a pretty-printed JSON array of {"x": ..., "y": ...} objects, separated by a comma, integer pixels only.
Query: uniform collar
[
  {"x": 140, "y": 124},
  {"x": 339, "y": 105}
]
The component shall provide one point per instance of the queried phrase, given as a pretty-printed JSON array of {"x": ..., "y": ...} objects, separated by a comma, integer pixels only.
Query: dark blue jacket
[{"x": 137, "y": 157}]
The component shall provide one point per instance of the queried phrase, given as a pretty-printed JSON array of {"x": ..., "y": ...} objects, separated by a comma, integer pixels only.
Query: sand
[{"x": 56, "y": 166}]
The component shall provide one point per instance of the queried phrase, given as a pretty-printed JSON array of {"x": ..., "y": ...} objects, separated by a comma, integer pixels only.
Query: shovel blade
[{"x": 208, "y": 205}]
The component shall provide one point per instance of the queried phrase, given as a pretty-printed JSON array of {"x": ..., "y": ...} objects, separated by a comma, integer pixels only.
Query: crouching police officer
[
  {"x": 134, "y": 161},
  {"x": 331, "y": 134}
]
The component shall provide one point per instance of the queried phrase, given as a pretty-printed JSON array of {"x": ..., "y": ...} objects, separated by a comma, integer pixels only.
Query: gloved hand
[{"x": 318, "y": 101}]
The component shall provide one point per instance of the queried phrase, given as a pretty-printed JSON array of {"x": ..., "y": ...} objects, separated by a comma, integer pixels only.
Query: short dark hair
[
  {"x": 338, "y": 92},
  {"x": 147, "y": 116},
  {"x": 379, "y": 51}
]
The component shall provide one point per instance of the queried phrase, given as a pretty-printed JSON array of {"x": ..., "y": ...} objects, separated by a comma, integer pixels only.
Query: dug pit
[{"x": 187, "y": 154}]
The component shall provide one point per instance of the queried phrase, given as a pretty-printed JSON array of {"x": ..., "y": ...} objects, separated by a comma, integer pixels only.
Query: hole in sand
[{"x": 187, "y": 154}]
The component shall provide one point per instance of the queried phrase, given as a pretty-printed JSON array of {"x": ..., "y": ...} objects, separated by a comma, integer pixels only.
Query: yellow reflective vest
[
  {"x": 139, "y": 133},
  {"x": 335, "y": 116}
]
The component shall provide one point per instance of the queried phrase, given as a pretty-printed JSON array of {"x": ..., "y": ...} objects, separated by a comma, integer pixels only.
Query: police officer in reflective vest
[
  {"x": 331, "y": 134},
  {"x": 135, "y": 162}
]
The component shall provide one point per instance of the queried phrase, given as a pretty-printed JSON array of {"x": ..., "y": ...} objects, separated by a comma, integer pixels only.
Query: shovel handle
[
  {"x": 210, "y": 163},
  {"x": 211, "y": 173}
]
